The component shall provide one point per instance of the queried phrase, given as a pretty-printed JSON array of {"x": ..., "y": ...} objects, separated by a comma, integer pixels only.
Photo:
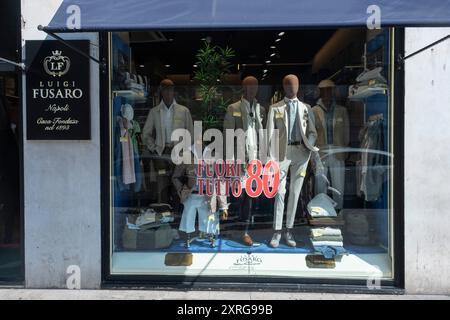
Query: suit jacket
[
  {"x": 153, "y": 133},
  {"x": 278, "y": 119},
  {"x": 184, "y": 179},
  {"x": 237, "y": 117},
  {"x": 341, "y": 127}
]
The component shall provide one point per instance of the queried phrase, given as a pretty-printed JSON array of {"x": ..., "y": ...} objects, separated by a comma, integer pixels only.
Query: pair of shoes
[
  {"x": 247, "y": 240},
  {"x": 289, "y": 238}
]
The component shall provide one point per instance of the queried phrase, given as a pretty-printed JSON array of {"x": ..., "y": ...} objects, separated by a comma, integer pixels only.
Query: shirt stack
[
  {"x": 326, "y": 236},
  {"x": 327, "y": 241}
]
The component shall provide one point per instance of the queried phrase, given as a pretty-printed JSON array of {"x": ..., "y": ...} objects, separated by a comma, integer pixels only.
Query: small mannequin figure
[{"x": 205, "y": 207}]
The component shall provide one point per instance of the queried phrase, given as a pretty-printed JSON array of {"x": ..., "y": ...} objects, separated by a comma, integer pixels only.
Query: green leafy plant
[{"x": 213, "y": 63}]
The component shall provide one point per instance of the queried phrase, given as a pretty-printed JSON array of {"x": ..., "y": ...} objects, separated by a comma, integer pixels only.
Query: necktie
[{"x": 292, "y": 131}]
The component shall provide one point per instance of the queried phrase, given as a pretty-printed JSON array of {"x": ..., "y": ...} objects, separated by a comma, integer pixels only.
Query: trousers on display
[
  {"x": 197, "y": 205},
  {"x": 296, "y": 162}
]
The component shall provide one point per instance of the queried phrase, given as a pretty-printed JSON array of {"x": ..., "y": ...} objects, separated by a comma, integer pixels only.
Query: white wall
[
  {"x": 427, "y": 162},
  {"x": 62, "y": 186}
]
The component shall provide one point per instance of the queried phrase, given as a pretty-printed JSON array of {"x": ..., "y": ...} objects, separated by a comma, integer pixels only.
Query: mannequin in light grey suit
[{"x": 294, "y": 121}]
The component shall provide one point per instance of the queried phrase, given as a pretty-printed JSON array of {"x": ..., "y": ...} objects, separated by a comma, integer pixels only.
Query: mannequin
[
  {"x": 297, "y": 136},
  {"x": 198, "y": 206},
  {"x": 332, "y": 125},
  {"x": 161, "y": 121},
  {"x": 247, "y": 114}
]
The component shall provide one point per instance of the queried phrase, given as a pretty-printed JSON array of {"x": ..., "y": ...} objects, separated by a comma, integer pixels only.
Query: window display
[{"x": 232, "y": 156}]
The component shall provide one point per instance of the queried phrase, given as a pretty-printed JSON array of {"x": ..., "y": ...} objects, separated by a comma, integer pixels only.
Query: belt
[{"x": 296, "y": 143}]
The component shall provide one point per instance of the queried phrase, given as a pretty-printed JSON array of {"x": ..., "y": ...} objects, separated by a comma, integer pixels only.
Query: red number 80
[{"x": 269, "y": 183}]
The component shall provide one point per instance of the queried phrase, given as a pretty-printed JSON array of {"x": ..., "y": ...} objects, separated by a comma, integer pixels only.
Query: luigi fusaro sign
[{"x": 57, "y": 86}]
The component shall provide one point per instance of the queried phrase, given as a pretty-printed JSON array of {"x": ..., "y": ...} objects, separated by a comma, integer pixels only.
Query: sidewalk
[{"x": 59, "y": 294}]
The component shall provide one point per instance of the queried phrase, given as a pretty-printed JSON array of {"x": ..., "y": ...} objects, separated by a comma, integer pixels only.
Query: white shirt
[
  {"x": 168, "y": 119},
  {"x": 251, "y": 142}
]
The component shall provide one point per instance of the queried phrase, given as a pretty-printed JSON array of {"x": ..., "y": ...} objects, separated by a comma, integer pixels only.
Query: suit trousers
[
  {"x": 207, "y": 222},
  {"x": 336, "y": 168},
  {"x": 296, "y": 162},
  {"x": 164, "y": 169}
]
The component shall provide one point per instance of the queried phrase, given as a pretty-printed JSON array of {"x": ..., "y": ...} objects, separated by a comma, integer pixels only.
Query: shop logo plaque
[
  {"x": 57, "y": 91},
  {"x": 56, "y": 65}
]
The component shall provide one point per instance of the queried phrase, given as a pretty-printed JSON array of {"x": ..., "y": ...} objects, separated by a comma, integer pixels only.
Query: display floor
[{"x": 231, "y": 258}]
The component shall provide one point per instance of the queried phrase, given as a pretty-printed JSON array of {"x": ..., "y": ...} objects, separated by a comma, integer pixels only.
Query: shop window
[{"x": 328, "y": 213}]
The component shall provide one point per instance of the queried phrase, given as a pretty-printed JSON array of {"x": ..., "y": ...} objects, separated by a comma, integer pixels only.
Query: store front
[{"x": 327, "y": 92}]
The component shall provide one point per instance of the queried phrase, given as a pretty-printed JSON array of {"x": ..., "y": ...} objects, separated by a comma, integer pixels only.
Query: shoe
[
  {"x": 188, "y": 241},
  {"x": 247, "y": 240},
  {"x": 212, "y": 241},
  {"x": 290, "y": 240},
  {"x": 275, "y": 242}
]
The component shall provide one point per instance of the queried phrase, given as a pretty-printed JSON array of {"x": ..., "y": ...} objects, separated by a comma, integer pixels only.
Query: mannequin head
[
  {"x": 250, "y": 88},
  {"x": 326, "y": 88},
  {"x": 290, "y": 86},
  {"x": 167, "y": 91},
  {"x": 127, "y": 111}
]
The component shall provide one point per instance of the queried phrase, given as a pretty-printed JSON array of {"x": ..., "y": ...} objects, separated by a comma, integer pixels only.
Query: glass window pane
[{"x": 318, "y": 103}]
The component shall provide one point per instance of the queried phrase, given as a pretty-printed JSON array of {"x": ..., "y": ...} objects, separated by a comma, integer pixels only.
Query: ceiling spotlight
[
  {"x": 281, "y": 34},
  {"x": 273, "y": 47},
  {"x": 277, "y": 40},
  {"x": 265, "y": 70},
  {"x": 268, "y": 61},
  {"x": 273, "y": 54},
  {"x": 167, "y": 65}
]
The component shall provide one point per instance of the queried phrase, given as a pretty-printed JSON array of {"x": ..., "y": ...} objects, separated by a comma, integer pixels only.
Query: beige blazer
[
  {"x": 237, "y": 117},
  {"x": 341, "y": 128},
  {"x": 277, "y": 119},
  {"x": 153, "y": 132}
]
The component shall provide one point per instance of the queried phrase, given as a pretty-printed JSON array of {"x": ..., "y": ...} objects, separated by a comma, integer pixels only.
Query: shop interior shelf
[
  {"x": 132, "y": 95},
  {"x": 368, "y": 93}
]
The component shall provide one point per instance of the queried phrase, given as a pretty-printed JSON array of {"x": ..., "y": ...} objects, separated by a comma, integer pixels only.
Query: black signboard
[{"x": 58, "y": 91}]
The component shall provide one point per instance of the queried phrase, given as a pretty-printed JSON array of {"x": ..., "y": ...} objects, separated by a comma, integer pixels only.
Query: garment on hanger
[
  {"x": 128, "y": 169},
  {"x": 372, "y": 166}
]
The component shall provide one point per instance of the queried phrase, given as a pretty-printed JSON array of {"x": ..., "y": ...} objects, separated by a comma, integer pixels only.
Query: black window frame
[{"x": 394, "y": 286}]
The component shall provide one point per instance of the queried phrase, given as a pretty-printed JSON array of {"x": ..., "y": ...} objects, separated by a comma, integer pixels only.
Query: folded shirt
[
  {"x": 321, "y": 206},
  {"x": 317, "y": 232},
  {"x": 330, "y": 252},
  {"x": 327, "y": 238},
  {"x": 328, "y": 243}
]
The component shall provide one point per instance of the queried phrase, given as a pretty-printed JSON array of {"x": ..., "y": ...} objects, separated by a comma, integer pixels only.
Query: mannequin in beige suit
[
  {"x": 247, "y": 114},
  {"x": 294, "y": 121},
  {"x": 161, "y": 121},
  {"x": 332, "y": 126}
]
